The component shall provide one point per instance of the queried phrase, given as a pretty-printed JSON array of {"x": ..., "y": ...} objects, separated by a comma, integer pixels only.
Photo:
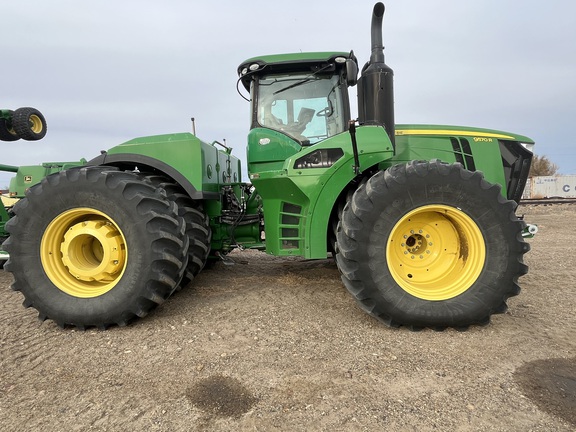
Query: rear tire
[
  {"x": 95, "y": 246},
  {"x": 197, "y": 226},
  {"x": 429, "y": 244}
]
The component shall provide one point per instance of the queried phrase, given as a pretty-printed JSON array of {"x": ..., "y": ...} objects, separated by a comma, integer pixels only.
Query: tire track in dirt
[
  {"x": 25, "y": 356},
  {"x": 23, "y": 339}
]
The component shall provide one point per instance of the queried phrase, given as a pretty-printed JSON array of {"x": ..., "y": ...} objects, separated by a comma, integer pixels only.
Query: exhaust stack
[{"x": 376, "y": 84}]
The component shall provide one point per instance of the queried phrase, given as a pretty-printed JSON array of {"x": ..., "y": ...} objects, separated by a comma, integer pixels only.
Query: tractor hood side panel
[{"x": 199, "y": 167}]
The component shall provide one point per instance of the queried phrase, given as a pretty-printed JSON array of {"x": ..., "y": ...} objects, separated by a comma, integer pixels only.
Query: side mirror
[{"x": 351, "y": 72}]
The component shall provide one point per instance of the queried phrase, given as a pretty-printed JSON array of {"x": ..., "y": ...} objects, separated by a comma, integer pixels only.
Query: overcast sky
[{"x": 103, "y": 72}]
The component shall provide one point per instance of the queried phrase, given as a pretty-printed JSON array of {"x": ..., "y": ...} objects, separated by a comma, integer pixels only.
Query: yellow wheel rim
[
  {"x": 83, "y": 252},
  {"x": 435, "y": 252},
  {"x": 35, "y": 123}
]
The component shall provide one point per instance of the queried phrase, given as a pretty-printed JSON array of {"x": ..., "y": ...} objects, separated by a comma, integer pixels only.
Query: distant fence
[{"x": 550, "y": 187}]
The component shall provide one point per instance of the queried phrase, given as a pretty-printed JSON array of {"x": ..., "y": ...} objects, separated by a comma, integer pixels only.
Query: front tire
[
  {"x": 95, "y": 246},
  {"x": 429, "y": 244}
]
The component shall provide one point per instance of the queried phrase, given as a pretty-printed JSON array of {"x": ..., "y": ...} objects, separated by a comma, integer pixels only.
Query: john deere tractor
[{"x": 420, "y": 219}]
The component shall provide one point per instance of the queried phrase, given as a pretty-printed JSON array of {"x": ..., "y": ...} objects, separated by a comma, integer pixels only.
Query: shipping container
[{"x": 550, "y": 187}]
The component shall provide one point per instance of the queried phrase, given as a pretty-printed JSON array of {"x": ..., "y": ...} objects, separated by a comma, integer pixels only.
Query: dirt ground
[{"x": 279, "y": 345}]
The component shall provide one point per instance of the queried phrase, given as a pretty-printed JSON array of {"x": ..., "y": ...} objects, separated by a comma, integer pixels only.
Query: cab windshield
[{"x": 306, "y": 107}]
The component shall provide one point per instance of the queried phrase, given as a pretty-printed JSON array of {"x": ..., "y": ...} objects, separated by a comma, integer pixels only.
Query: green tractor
[{"x": 420, "y": 219}]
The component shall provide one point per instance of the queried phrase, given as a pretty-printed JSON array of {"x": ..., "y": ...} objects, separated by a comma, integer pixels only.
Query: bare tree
[{"x": 542, "y": 166}]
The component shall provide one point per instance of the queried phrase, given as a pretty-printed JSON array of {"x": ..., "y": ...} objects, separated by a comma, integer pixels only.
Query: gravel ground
[{"x": 279, "y": 345}]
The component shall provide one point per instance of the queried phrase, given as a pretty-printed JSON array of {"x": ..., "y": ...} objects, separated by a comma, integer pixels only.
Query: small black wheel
[
  {"x": 7, "y": 133},
  {"x": 428, "y": 244},
  {"x": 94, "y": 246},
  {"x": 29, "y": 124}
]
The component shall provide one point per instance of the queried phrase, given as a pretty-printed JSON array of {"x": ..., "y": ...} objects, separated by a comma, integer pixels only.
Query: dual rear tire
[{"x": 95, "y": 246}]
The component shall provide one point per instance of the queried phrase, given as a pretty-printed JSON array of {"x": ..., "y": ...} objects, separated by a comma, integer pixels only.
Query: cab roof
[{"x": 294, "y": 62}]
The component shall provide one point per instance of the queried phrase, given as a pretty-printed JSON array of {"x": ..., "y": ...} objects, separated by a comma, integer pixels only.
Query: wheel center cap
[
  {"x": 416, "y": 244},
  {"x": 93, "y": 250}
]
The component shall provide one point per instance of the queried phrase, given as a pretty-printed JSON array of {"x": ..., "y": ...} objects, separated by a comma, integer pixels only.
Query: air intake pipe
[{"x": 376, "y": 84}]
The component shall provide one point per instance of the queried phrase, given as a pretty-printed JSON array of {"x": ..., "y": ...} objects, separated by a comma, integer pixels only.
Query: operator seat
[{"x": 305, "y": 116}]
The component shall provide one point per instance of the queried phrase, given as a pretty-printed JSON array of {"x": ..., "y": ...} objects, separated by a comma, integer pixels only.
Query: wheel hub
[
  {"x": 416, "y": 244},
  {"x": 435, "y": 252},
  {"x": 92, "y": 251},
  {"x": 83, "y": 252}
]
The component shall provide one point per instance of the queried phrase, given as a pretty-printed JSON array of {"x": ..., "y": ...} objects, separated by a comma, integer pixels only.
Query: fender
[
  {"x": 323, "y": 186},
  {"x": 132, "y": 160}
]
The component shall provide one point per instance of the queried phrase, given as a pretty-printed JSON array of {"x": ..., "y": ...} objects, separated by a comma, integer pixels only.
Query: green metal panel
[
  {"x": 268, "y": 150},
  {"x": 4, "y": 217},
  {"x": 6, "y": 114},
  {"x": 446, "y": 130},
  {"x": 299, "y": 197},
  {"x": 204, "y": 165},
  {"x": 477, "y": 149},
  {"x": 28, "y": 176},
  {"x": 485, "y": 156},
  {"x": 8, "y": 168},
  {"x": 291, "y": 60}
]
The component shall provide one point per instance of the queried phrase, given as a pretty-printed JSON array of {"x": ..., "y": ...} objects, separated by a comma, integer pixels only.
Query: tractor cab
[{"x": 296, "y": 100}]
